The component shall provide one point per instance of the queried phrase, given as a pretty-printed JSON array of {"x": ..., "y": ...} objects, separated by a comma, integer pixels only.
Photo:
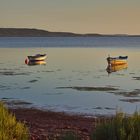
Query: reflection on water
[
  {"x": 115, "y": 68},
  {"x": 72, "y": 81},
  {"x": 33, "y": 63}
]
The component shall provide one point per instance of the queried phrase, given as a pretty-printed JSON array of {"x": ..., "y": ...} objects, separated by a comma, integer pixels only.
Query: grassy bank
[
  {"x": 120, "y": 127},
  {"x": 10, "y": 129},
  {"x": 57, "y": 125}
]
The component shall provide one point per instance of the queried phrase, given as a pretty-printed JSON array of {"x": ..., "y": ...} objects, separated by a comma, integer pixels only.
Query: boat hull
[
  {"x": 37, "y": 58},
  {"x": 121, "y": 60},
  {"x": 117, "y": 62}
]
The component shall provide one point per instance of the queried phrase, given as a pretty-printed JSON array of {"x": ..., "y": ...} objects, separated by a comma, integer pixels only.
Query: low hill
[{"x": 25, "y": 32}]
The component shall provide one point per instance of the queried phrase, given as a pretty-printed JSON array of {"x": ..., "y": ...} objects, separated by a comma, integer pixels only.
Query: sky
[{"x": 78, "y": 16}]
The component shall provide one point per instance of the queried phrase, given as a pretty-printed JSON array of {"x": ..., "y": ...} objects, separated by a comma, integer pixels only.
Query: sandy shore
[{"x": 47, "y": 125}]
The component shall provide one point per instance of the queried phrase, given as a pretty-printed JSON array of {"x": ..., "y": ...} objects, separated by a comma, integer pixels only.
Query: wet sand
[{"x": 48, "y": 125}]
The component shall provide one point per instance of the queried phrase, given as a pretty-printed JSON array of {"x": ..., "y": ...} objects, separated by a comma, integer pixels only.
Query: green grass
[
  {"x": 10, "y": 129},
  {"x": 121, "y": 127}
]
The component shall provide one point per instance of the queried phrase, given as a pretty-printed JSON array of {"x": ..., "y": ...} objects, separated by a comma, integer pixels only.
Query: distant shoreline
[{"x": 27, "y": 32}]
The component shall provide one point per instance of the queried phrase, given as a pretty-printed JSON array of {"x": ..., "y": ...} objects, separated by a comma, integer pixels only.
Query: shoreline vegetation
[
  {"x": 35, "y": 124},
  {"x": 32, "y": 32},
  {"x": 10, "y": 128}
]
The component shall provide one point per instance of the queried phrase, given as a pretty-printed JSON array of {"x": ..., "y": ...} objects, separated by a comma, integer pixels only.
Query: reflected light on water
[
  {"x": 33, "y": 63},
  {"x": 70, "y": 67},
  {"x": 115, "y": 68}
]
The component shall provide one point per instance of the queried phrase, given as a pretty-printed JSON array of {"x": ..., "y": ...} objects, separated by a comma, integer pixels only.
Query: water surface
[{"x": 74, "y": 79}]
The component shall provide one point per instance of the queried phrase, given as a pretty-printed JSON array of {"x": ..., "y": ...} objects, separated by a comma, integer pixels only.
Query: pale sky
[{"x": 79, "y": 16}]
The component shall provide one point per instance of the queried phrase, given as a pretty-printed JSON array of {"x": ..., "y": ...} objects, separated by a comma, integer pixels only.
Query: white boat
[{"x": 37, "y": 57}]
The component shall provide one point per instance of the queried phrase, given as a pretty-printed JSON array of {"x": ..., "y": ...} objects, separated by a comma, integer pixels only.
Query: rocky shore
[{"x": 48, "y": 125}]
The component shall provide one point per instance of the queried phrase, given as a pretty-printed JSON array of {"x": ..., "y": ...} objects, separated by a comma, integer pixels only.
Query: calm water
[{"x": 74, "y": 78}]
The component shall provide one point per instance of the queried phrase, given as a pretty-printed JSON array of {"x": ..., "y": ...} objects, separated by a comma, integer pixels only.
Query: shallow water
[{"x": 73, "y": 80}]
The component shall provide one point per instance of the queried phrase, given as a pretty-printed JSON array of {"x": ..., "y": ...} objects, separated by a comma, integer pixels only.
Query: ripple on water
[
  {"x": 84, "y": 88},
  {"x": 33, "y": 81},
  {"x": 130, "y": 100},
  {"x": 15, "y": 103},
  {"x": 134, "y": 93},
  {"x": 136, "y": 78}
]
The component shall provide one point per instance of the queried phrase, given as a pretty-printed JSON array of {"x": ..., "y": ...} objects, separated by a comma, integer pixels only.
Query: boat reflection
[
  {"x": 33, "y": 63},
  {"x": 115, "y": 68}
]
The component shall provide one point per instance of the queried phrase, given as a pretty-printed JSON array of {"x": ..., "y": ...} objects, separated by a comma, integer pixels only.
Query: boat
[
  {"x": 115, "y": 68},
  {"x": 117, "y": 60},
  {"x": 37, "y": 57}
]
